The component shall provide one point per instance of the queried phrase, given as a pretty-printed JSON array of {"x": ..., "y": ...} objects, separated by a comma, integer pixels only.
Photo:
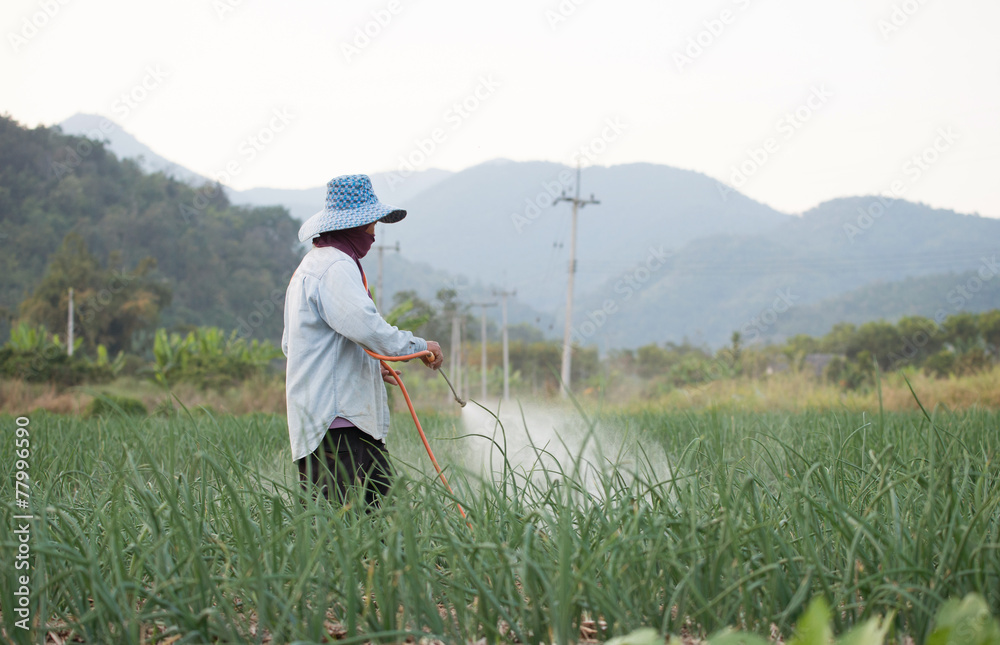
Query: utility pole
[
  {"x": 378, "y": 294},
  {"x": 567, "y": 348},
  {"x": 69, "y": 325},
  {"x": 482, "y": 337},
  {"x": 506, "y": 352},
  {"x": 456, "y": 352}
]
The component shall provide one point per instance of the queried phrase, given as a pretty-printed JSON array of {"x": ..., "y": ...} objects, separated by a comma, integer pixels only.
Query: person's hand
[
  {"x": 387, "y": 375},
  {"x": 438, "y": 359}
]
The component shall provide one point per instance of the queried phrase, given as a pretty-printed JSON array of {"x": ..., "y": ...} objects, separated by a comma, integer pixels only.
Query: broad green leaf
[
  {"x": 813, "y": 627},
  {"x": 870, "y": 633},
  {"x": 965, "y": 622}
]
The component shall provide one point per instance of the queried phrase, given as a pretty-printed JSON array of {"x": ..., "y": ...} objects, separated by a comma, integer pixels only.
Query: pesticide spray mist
[{"x": 543, "y": 438}]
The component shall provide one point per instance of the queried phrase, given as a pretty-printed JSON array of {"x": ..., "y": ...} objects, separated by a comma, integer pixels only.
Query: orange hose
[
  {"x": 413, "y": 413},
  {"x": 409, "y": 404}
]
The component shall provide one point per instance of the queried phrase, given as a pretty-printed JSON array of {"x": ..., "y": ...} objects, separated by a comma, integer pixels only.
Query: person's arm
[{"x": 348, "y": 310}]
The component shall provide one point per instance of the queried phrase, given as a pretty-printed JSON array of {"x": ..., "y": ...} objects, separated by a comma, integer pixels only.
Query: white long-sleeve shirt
[{"x": 328, "y": 318}]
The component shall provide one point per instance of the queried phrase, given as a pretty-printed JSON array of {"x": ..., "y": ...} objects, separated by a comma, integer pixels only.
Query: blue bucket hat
[{"x": 350, "y": 202}]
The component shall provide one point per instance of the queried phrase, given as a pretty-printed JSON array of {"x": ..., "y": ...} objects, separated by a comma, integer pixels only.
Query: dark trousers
[{"x": 348, "y": 457}]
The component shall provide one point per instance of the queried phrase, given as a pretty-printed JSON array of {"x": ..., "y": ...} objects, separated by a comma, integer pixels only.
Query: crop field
[{"x": 192, "y": 528}]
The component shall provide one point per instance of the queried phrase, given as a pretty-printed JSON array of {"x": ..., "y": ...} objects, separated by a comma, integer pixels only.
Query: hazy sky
[{"x": 814, "y": 100}]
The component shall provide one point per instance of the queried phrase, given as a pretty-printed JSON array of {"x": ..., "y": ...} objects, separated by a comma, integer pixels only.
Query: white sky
[{"x": 227, "y": 74}]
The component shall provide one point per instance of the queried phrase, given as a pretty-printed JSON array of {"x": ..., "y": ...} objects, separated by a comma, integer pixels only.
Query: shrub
[
  {"x": 107, "y": 405},
  {"x": 35, "y": 356}
]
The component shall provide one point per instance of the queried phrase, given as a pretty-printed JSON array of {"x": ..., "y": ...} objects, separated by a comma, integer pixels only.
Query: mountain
[
  {"x": 914, "y": 296},
  {"x": 224, "y": 264},
  {"x": 403, "y": 274},
  {"x": 756, "y": 284},
  {"x": 472, "y": 223},
  {"x": 126, "y": 146},
  {"x": 301, "y": 203},
  {"x": 667, "y": 254},
  {"x": 497, "y": 222}
]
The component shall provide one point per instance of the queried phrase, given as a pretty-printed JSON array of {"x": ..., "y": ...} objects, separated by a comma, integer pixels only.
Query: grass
[
  {"x": 193, "y": 529},
  {"x": 786, "y": 391}
]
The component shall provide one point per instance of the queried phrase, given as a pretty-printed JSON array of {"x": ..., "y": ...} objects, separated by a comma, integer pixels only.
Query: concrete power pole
[
  {"x": 567, "y": 342},
  {"x": 69, "y": 325},
  {"x": 456, "y": 352},
  {"x": 506, "y": 352},
  {"x": 482, "y": 337},
  {"x": 378, "y": 294}
]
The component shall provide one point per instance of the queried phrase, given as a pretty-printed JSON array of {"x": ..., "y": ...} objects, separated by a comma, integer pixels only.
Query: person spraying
[{"x": 337, "y": 406}]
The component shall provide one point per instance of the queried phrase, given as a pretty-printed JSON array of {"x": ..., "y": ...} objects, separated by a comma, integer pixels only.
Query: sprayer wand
[
  {"x": 384, "y": 360},
  {"x": 460, "y": 401},
  {"x": 413, "y": 413}
]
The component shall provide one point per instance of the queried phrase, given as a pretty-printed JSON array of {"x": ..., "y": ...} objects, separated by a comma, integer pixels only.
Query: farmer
[{"x": 338, "y": 414}]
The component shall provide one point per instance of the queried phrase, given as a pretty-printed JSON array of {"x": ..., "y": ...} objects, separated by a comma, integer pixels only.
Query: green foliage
[
  {"x": 406, "y": 315},
  {"x": 941, "y": 364},
  {"x": 683, "y": 364},
  {"x": 431, "y": 320},
  {"x": 891, "y": 298},
  {"x": 849, "y": 375},
  {"x": 111, "y": 305},
  {"x": 220, "y": 264},
  {"x": 989, "y": 328},
  {"x": 209, "y": 358},
  {"x": 537, "y": 365},
  {"x": 963, "y": 344},
  {"x": 116, "y": 366},
  {"x": 108, "y": 405},
  {"x": 32, "y": 338},
  {"x": 961, "y": 331},
  {"x": 195, "y": 526},
  {"x": 965, "y": 622},
  {"x": 813, "y": 628},
  {"x": 33, "y": 355}
]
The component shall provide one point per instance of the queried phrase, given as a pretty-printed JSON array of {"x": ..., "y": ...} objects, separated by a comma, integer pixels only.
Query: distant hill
[
  {"x": 305, "y": 202},
  {"x": 717, "y": 285},
  {"x": 224, "y": 263},
  {"x": 496, "y": 222},
  {"x": 403, "y": 274},
  {"x": 675, "y": 253},
  {"x": 125, "y": 146},
  {"x": 928, "y": 296},
  {"x": 301, "y": 203}
]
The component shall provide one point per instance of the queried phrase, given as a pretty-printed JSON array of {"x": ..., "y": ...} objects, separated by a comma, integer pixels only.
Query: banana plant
[
  {"x": 115, "y": 365},
  {"x": 25, "y": 338},
  {"x": 399, "y": 316},
  {"x": 170, "y": 352},
  {"x": 77, "y": 343}
]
